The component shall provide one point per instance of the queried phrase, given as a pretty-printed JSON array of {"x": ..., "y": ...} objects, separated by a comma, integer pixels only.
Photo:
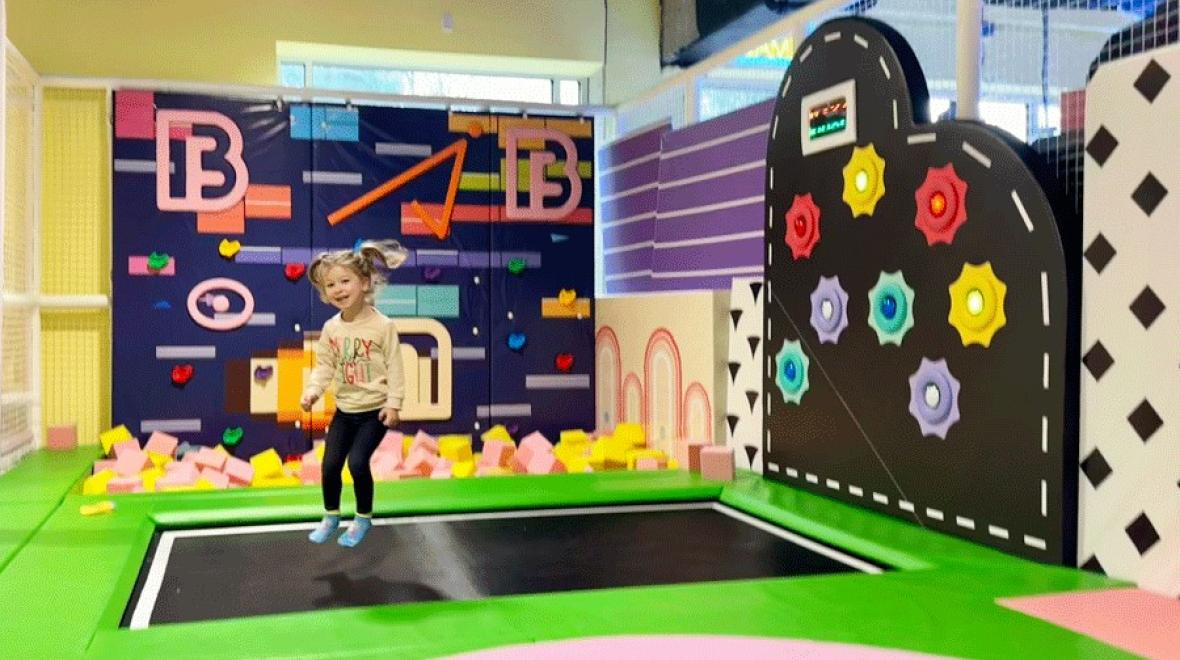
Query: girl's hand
[
  {"x": 388, "y": 417},
  {"x": 308, "y": 401}
]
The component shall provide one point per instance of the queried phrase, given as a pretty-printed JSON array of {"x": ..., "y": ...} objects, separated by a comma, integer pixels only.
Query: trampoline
[{"x": 230, "y": 572}]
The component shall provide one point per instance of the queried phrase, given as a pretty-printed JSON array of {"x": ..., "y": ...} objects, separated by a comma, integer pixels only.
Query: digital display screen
[{"x": 827, "y": 118}]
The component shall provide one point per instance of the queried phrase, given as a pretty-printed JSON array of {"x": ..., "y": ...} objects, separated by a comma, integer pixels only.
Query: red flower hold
[
  {"x": 802, "y": 226},
  {"x": 942, "y": 204}
]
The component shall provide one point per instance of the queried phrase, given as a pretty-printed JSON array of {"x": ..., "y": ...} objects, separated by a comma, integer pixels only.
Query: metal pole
[{"x": 969, "y": 27}]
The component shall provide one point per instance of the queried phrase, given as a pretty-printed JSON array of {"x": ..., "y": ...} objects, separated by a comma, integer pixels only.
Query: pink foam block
[
  {"x": 402, "y": 474},
  {"x": 392, "y": 442},
  {"x": 105, "y": 464},
  {"x": 387, "y": 454},
  {"x": 497, "y": 453},
  {"x": 132, "y": 462},
  {"x": 214, "y": 477},
  {"x": 190, "y": 458},
  {"x": 62, "y": 438},
  {"x": 309, "y": 457},
  {"x": 184, "y": 474},
  {"x": 162, "y": 443},
  {"x": 717, "y": 463},
  {"x": 545, "y": 463},
  {"x": 424, "y": 441},
  {"x": 310, "y": 473},
  {"x": 647, "y": 463},
  {"x": 421, "y": 461},
  {"x": 126, "y": 447},
  {"x": 125, "y": 485},
  {"x": 384, "y": 464},
  {"x": 530, "y": 446},
  {"x": 238, "y": 471},
  {"x": 442, "y": 469},
  {"x": 536, "y": 442},
  {"x": 209, "y": 458},
  {"x": 482, "y": 470}
]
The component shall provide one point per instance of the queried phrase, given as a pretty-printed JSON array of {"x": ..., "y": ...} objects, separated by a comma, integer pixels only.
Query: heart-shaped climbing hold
[
  {"x": 431, "y": 274},
  {"x": 516, "y": 266},
  {"x": 563, "y": 362},
  {"x": 182, "y": 373},
  {"x": 263, "y": 374},
  {"x": 516, "y": 341},
  {"x": 228, "y": 248},
  {"x": 158, "y": 260},
  {"x": 294, "y": 271},
  {"x": 231, "y": 436},
  {"x": 567, "y": 297}
]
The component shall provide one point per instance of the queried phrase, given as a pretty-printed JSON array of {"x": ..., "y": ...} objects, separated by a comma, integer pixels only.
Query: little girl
[{"x": 359, "y": 349}]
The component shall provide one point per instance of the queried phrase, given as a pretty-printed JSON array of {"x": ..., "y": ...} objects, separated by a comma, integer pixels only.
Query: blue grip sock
[
  {"x": 327, "y": 527},
  {"x": 356, "y": 532}
]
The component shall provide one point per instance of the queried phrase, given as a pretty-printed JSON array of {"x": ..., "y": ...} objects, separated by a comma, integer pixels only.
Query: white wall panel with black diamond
[
  {"x": 743, "y": 418},
  {"x": 1130, "y": 408}
]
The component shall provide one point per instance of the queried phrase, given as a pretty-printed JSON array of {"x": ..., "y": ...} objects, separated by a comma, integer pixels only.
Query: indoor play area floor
[{"x": 496, "y": 562}]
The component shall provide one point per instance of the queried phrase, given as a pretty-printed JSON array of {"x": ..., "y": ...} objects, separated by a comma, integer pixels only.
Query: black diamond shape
[
  {"x": 1092, "y": 564},
  {"x": 735, "y": 314},
  {"x": 1096, "y": 468},
  {"x": 734, "y": 367},
  {"x": 1149, "y": 193},
  {"x": 754, "y": 341},
  {"x": 1097, "y": 360},
  {"x": 752, "y": 397},
  {"x": 1100, "y": 253},
  {"x": 1147, "y": 307},
  {"x": 755, "y": 288},
  {"x": 751, "y": 454},
  {"x": 1145, "y": 420},
  {"x": 1142, "y": 533},
  {"x": 1101, "y": 145},
  {"x": 732, "y": 420},
  {"x": 1152, "y": 80}
]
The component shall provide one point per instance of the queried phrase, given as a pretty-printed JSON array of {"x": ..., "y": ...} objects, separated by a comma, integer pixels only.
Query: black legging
[{"x": 356, "y": 436}]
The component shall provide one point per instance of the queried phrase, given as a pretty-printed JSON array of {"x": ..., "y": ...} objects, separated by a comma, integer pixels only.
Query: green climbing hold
[
  {"x": 516, "y": 266},
  {"x": 158, "y": 260},
  {"x": 231, "y": 437}
]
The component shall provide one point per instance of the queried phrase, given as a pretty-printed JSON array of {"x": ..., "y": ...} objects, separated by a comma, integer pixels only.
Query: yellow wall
[
  {"x": 76, "y": 259},
  {"x": 234, "y": 41}
]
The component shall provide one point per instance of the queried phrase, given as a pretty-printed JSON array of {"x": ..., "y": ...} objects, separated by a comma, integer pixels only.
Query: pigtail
[{"x": 388, "y": 253}]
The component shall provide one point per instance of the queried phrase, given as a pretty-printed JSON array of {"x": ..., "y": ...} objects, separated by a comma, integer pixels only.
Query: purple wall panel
[
  {"x": 741, "y": 185},
  {"x": 727, "y": 254},
  {"x": 747, "y": 149}
]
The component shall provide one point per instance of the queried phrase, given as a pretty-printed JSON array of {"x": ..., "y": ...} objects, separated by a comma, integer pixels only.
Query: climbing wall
[
  {"x": 921, "y": 306},
  {"x": 1130, "y": 425},
  {"x": 743, "y": 419}
]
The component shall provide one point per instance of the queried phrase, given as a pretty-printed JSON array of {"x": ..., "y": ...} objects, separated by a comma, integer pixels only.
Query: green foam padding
[{"x": 31, "y": 490}]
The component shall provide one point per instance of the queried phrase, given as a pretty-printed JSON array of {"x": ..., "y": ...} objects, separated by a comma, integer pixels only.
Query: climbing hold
[
  {"x": 563, "y": 362},
  {"x": 891, "y": 308},
  {"x": 158, "y": 260},
  {"x": 294, "y": 271},
  {"x": 567, "y": 297},
  {"x": 829, "y": 305},
  {"x": 558, "y": 238},
  {"x": 791, "y": 366},
  {"x": 977, "y": 304},
  {"x": 516, "y": 341},
  {"x": 162, "y": 304},
  {"x": 516, "y": 266},
  {"x": 864, "y": 180},
  {"x": 942, "y": 204},
  {"x": 802, "y": 231},
  {"x": 228, "y": 248},
  {"x": 934, "y": 398},
  {"x": 431, "y": 274},
  {"x": 182, "y": 374},
  {"x": 231, "y": 436},
  {"x": 263, "y": 374}
]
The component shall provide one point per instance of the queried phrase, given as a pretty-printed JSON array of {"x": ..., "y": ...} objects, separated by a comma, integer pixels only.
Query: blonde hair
[{"x": 362, "y": 260}]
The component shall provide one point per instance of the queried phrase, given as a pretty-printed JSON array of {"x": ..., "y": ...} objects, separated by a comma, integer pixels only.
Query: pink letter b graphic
[{"x": 196, "y": 177}]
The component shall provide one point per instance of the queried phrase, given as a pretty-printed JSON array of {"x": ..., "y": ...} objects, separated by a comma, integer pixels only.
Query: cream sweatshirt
[{"x": 364, "y": 359}]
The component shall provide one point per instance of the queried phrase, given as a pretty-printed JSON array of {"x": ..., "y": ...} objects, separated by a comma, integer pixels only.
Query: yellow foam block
[
  {"x": 277, "y": 482},
  {"x": 631, "y": 433},
  {"x": 575, "y": 464},
  {"x": 598, "y": 449},
  {"x": 204, "y": 484},
  {"x": 105, "y": 506},
  {"x": 222, "y": 449},
  {"x": 574, "y": 437},
  {"x": 267, "y": 464},
  {"x": 636, "y": 454},
  {"x": 319, "y": 451},
  {"x": 463, "y": 469},
  {"x": 346, "y": 476},
  {"x": 455, "y": 448},
  {"x": 112, "y": 437},
  {"x": 616, "y": 450},
  {"x": 673, "y": 464},
  {"x": 497, "y": 471},
  {"x": 567, "y": 453},
  {"x": 160, "y": 460},
  {"x": 150, "y": 477},
  {"x": 497, "y": 432},
  {"x": 96, "y": 484},
  {"x": 596, "y": 464},
  {"x": 292, "y": 468},
  {"x": 407, "y": 440}
]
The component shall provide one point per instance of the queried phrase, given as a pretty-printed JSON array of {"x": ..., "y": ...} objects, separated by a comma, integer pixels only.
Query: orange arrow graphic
[{"x": 440, "y": 226}]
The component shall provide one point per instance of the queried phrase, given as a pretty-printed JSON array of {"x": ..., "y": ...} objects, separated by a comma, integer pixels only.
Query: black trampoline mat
[{"x": 231, "y": 572}]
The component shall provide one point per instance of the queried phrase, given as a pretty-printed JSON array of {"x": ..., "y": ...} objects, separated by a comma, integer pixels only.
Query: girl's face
[{"x": 345, "y": 288}]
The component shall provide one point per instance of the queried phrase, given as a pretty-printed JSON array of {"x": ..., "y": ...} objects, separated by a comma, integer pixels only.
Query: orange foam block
[
  {"x": 62, "y": 438},
  {"x": 717, "y": 463},
  {"x": 162, "y": 443}
]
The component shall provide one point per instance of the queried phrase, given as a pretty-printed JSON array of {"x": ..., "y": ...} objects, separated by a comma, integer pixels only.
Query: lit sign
[{"x": 831, "y": 117}]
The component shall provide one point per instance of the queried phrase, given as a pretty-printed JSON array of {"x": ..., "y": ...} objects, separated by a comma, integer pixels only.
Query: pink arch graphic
[
  {"x": 662, "y": 336},
  {"x": 606, "y": 335},
  {"x": 697, "y": 391},
  {"x": 633, "y": 381}
]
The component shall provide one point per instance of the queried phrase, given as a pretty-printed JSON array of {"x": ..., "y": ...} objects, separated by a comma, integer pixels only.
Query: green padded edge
[{"x": 31, "y": 490}]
